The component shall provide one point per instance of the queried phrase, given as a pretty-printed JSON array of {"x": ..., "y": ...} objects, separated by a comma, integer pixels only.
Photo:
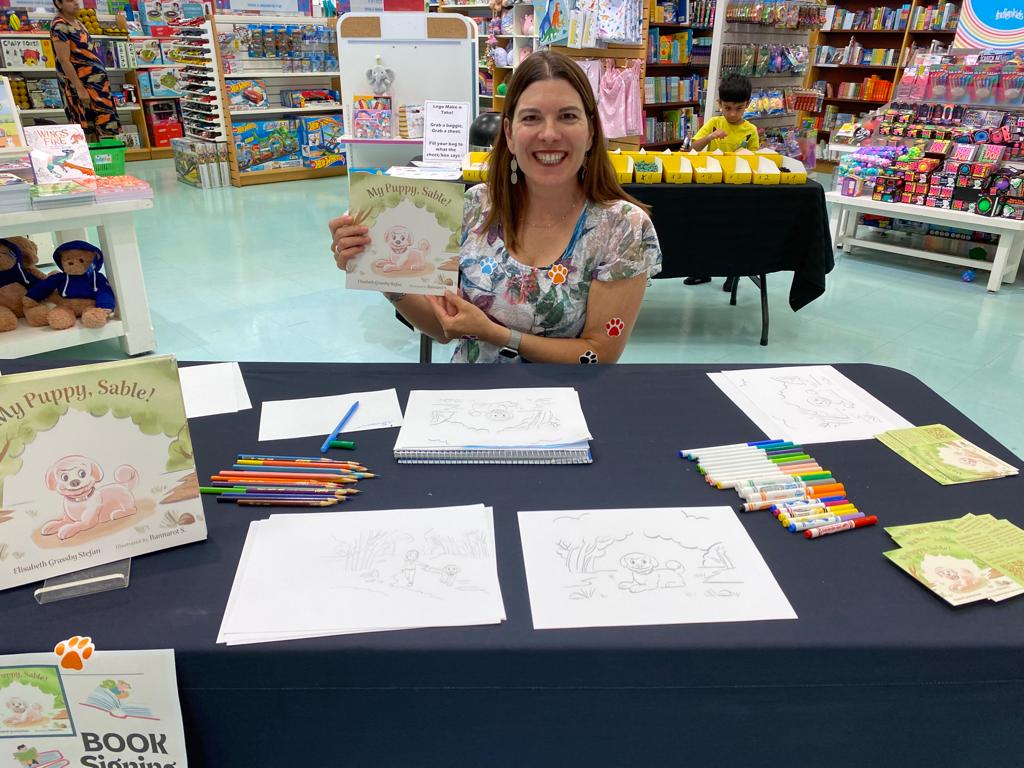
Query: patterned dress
[
  {"x": 613, "y": 241},
  {"x": 98, "y": 118}
]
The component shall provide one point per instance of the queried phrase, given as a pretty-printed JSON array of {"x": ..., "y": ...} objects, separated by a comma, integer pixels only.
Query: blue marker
[{"x": 341, "y": 426}]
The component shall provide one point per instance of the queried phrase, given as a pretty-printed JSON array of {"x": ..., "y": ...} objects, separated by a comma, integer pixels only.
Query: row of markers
[
  {"x": 781, "y": 477},
  {"x": 286, "y": 481}
]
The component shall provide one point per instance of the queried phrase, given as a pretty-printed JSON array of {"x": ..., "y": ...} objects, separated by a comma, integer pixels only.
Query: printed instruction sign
[{"x": 445, "y": 131}]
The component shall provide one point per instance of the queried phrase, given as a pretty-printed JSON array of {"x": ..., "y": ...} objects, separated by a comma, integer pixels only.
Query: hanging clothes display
[
  {"x": 634, "y": 104},
  {"x": 612, "y": 104},
  {"x": 592, "y": 69}
]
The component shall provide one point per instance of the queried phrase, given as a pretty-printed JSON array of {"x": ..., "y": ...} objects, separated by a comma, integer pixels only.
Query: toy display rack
[
  {"x": 280, "y": 80},
  {"x": 903, "y": 39},
  {"x": 129, "y": 112},
  {"x": 737, "y": 33},
  {"x": 431, "y": 55}
]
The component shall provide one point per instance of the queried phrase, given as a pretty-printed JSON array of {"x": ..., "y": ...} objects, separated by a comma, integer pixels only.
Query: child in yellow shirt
[{"x": 727, "y": 132}]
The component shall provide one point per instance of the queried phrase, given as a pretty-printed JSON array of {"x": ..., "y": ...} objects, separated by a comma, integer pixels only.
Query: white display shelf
[
  {"x": 26, "y": 340},
  {"x": 41, "y": 70},
  {"x": 275, "y": 74},
  {"x": 843, "y": 226},
  {"x": 116, "y": 228},
  {"x": 287, "y": 110},
  {"x": 392, "y": 140}
]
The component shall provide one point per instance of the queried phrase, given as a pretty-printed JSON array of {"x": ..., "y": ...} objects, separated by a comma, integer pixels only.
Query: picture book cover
[
  {"x": 944, "y": 456},
  {"x": 28, "y": 53},
  {"x": 96, "y": 465},
  {"x": 11, "y": 134},
  {"x": 83, "y": 707},
  {"x": 415, "y": 231},
  {"x": 59, "y": 153}
]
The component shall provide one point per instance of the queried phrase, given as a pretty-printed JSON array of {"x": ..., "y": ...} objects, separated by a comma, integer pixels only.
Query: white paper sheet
[
  {"x": 492, "y": 417},
  {"x": 339, "y": 573},
  {"x": 212, "y": 389},
  {"x": 624, "y": 567},
  {"x": 808, "y": 404},
  {"x": 284, "y": 419}
]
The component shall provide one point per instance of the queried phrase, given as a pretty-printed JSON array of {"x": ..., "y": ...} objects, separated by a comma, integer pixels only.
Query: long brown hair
[{"x": 598, "y": 181}]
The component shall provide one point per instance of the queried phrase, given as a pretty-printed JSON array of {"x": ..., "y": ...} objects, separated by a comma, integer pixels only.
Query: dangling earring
[
  {"x": 515, "y": 167},
  {"x": 583, "y": 169}
]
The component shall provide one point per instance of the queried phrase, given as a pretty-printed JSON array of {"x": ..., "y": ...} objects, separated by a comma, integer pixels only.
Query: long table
[{"x": 876, "y": 670}]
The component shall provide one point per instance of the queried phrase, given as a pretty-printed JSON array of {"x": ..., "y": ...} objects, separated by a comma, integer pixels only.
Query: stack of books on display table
[{"x": 14, "y": 193}]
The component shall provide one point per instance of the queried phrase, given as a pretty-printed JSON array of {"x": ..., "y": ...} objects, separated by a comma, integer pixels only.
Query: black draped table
[
  {"x": 744, "y": 230},
  {"x": 876, "y": 670}
]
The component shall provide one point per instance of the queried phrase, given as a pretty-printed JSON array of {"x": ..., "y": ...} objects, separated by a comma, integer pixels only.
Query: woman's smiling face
[{"x": 549, "y": 133}]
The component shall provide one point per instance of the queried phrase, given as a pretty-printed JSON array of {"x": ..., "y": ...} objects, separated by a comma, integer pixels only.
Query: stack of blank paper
[
  {"x": 312, "y": 575},
  {"x": 494, "y": 426}
]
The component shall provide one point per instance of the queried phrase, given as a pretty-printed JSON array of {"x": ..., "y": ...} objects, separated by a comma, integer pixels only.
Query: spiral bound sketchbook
[{"x": 494, "y": 426}]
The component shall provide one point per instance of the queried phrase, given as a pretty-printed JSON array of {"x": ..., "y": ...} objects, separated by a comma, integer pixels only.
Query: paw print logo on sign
[
  {"x": 487, "y": 265},
  {"x": 614, "y": 327},
  {"x": 557, "y": 274},
  {"x": 74, "y": 651},
  {"x": 590, "y": 356}
]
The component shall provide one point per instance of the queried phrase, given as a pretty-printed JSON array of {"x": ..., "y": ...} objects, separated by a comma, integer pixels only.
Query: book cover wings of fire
[{"x": 96, "y": 465}]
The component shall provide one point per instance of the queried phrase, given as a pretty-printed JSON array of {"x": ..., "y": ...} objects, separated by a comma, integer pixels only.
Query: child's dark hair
[{"x": 734, "y": 89}]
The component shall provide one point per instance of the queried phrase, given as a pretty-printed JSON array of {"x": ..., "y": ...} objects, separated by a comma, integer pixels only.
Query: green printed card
[{"x": 944, "y": 456}]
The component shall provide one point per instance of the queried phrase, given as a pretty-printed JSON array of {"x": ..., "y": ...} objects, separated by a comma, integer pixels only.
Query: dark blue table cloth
[{"x": 875, "y": 670}]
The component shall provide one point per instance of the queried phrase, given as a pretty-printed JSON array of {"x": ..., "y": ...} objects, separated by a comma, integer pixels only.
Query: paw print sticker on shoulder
[
  {"x": 614, "y": 327},
  {"x": 487, "y": 265},
  {"x": 74, "y": 652},
  {"x": 590, "y": 356},
  {"x": 558, "y": 274}
]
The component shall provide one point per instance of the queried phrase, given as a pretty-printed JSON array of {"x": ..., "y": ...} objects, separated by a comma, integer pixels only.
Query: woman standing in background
[{"x": 84, "y": 84}]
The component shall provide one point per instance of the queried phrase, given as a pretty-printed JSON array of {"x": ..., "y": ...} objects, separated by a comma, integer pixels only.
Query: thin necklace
[{"x": 560, "y": 220}]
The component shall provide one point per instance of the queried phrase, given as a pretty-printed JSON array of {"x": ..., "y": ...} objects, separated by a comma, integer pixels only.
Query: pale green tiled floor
[{"x": 246, "y": 274}]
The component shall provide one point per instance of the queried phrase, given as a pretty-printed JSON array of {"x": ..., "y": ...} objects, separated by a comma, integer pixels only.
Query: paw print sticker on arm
[
  {"x": 558, "y": 274},
  {"x": 74, "y": 651},
  {"x": 614, "y": 327},
  {"x": 590, "y": 356}
]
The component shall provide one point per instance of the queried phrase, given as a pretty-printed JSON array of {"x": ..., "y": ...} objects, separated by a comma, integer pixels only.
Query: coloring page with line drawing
[
  {"x": 808, "y": 404},
  {"x": 492, "y": 417},
  {"x": 334, "y": 573},
  {"x": 631, "y": 567}
]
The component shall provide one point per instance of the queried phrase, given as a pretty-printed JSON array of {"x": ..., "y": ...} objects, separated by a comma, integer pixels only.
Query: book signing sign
[{"x": 990, "y": 24}]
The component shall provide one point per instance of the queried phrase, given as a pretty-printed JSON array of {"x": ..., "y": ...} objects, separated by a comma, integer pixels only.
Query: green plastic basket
[{"x": 108, "y": 157}]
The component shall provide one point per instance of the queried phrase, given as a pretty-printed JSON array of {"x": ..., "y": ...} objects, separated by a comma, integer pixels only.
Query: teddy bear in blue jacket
[
  {"x": 17, "y": 274},
  {"x": 77, "y": 290}
]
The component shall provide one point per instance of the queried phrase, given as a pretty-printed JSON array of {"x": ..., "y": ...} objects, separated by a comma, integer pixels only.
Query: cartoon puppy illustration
[
  {"x": 86, "y": 503},
  {"x": 647, "y": 575},
  {"x": 22, "y": 713},
  {"x": 404, "y": 255}
]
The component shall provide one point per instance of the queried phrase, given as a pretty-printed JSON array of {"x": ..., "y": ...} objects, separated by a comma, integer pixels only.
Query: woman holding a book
[
  {"x": 555, "y": 255},
  {"x": 83, "y": 81}
]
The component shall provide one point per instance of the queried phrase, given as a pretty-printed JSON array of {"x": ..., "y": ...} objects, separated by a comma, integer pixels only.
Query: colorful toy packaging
[
  {"x": 371, "y": 117},
  {"x": 310, "y": 97},
  {"x": 321, "y": 140},
  {"x": 263, "y": 145},
  {"x": 247, "y": 94}
]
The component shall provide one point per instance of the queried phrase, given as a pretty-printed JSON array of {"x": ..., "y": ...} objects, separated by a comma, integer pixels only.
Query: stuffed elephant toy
[{"x": 380, "y": 79}]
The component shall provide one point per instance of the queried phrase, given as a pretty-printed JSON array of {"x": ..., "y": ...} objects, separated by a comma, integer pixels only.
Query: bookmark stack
[
  {"x": 259, "y": 480},
  {"x": 782, "y": 478}
]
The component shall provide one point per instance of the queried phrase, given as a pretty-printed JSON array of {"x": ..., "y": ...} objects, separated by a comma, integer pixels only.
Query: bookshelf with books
[
  {"x": 679, "y": 44},
  {"x": 859, "y": 49}
]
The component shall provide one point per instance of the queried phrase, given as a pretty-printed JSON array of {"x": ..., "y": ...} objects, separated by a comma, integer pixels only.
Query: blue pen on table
[{"x": 337, "y": 429}]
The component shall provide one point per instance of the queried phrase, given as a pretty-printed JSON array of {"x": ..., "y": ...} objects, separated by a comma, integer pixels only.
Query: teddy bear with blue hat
[
  {"x": 79, "y": 289},
  {"x": 18, "y": 273}
]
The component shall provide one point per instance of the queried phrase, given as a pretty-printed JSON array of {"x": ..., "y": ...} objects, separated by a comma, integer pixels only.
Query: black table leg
[
  {"x": 427, "y": 347},
  {"x": 735, "y": 286},
  {"x": 761, "y": 281}
]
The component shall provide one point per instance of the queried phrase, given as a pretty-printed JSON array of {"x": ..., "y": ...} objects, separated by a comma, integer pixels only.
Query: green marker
[{"x": 348, "y": 445}]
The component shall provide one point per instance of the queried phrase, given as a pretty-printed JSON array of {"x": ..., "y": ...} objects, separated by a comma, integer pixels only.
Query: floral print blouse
[{"x": 612, "y": 241}]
